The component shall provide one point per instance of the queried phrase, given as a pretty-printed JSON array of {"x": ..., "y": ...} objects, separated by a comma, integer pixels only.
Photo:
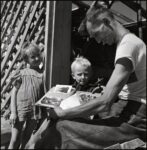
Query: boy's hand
[
  {"x": 13, "y": 118},
  {"x": 73, "y": 91}
]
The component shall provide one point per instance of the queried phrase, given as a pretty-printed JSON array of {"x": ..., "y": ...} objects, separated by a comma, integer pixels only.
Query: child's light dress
[{"x": 30, "y": 91}]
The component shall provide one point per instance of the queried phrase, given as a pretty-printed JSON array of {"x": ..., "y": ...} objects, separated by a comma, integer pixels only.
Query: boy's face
[{"x": 82, "y": 74}]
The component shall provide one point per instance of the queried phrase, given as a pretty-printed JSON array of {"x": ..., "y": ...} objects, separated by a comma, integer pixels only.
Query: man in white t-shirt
[
  {"x": 134, "y": 49},
  {"x": 127, "y": 119}
]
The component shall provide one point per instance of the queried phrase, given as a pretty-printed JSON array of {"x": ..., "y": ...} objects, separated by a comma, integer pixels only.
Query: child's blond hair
[
  {"x": 28, "y": 47},
  {"x": 80, "y": 61}
]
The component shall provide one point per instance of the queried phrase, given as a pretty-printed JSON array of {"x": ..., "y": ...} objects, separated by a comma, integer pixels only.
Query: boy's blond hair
[{"x": 80, "y": 61}]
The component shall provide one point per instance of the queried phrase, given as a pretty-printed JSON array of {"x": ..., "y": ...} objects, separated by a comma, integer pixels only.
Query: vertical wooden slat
[{"x": 57, "y": 43}]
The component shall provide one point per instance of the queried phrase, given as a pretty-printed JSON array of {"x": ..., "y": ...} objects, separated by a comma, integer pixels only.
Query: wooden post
[{"x": 57, "y": 42}]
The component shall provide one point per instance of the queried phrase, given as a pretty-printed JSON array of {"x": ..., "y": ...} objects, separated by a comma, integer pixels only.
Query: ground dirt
[{"x": 5, "y": 133}]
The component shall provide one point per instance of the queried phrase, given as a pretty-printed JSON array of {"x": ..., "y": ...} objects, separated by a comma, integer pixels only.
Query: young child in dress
[{"x": 28, "y": 88}]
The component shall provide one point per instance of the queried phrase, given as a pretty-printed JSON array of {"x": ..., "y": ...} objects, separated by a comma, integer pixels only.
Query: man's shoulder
[{"x": 134, "y": 39}]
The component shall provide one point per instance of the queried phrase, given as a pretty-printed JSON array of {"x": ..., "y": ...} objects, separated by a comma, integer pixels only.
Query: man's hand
[{"x": 56, "y": 113}]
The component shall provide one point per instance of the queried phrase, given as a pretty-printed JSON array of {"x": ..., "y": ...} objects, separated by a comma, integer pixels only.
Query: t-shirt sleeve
[{"x": 127, "y": 50}]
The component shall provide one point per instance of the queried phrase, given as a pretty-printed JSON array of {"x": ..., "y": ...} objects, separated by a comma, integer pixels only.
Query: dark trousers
[{"x": 126, "y": 121}]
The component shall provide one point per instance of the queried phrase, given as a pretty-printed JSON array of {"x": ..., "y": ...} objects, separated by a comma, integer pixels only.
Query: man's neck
[{"x": 120, "y": 32}]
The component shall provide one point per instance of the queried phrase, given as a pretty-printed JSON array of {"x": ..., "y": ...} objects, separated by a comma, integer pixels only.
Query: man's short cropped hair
[
  {"x": 96, "y": 12},
  {"x": 93, "y": 15}
]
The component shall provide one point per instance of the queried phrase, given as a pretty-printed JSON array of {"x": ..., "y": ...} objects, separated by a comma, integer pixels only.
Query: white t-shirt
[{"x": 134, "y": 49}]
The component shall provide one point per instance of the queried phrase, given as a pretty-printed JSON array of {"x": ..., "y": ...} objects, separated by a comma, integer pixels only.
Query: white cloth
[{"x": 134, "y": 49}]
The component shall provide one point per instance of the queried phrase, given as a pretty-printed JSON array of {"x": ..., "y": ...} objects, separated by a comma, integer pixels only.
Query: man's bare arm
[{"x": 117, "y": 80}]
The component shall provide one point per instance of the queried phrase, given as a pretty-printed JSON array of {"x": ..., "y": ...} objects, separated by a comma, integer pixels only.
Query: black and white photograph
[{"x": 73, "y": 74}]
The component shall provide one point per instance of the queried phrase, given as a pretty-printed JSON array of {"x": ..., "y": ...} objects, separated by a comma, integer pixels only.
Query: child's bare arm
[
  {"x": 13, "y": 100},
  {"x": 13, "y": 105}
]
